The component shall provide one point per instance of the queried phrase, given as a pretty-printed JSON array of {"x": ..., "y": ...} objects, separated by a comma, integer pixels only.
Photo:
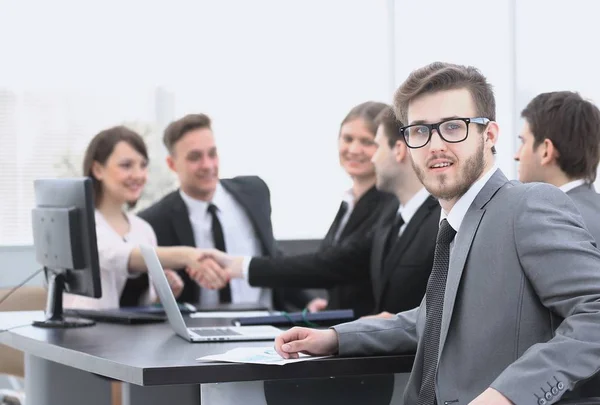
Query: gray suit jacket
[
  {"x": 587, "y": 201},
  {"x": 521, "y": 308}
]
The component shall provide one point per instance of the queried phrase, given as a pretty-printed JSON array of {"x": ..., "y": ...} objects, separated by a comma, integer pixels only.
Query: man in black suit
[
  {"x": 396, "y": 256},
  {"x": 232, "y": 215},
  {"x": 560, "y": 145}
]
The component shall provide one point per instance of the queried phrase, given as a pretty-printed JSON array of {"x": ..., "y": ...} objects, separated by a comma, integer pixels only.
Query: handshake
[{"x": 212, "y": 268}]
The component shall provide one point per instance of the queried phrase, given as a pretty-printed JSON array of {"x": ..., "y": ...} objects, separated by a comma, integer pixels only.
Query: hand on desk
[{"x": 305, "y": 340}]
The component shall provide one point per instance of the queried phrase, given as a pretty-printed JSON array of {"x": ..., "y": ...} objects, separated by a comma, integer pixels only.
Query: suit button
[
  {"x": 554, "y": 390},
  {"x": 560, "y": 386},
  {"x": 542, "y": 401},
  {"x": 548, "y": 395}
]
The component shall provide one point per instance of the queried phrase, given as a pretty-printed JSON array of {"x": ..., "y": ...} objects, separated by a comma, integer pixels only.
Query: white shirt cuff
[{"x": 246, "y": 267}]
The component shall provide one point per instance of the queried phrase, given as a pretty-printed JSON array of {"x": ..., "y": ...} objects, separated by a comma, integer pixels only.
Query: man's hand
[
  {"x": 304, "y": 340},
  {"x": 204, "y": 270},
  {"x": 381, "y": 315},
  {"x": 316, "y": 305},
  {"x": 491, "y": 397},
  {"x": 175, "y": 282},
  {"x": 233, "y": 264}
]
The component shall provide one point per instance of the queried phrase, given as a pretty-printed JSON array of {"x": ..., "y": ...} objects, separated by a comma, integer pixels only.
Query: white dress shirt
[
  {"x": 113, "y": 255},
  {"x": 240, "y": 240},
  {"x": 409, "y": 210},
  {"x": 348, "y": 198},
  {"x": 458, "y": 212},
  {"x": 571, "y": 185}
]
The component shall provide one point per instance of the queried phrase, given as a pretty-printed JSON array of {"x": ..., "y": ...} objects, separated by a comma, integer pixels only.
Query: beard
[{"x": 441, "y": 187}]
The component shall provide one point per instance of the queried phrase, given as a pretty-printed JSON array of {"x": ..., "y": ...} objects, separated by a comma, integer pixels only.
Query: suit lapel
[
  {"x": 397, "y": 250},
  {"x": 181, "y": 221},
  {"x": 363, "y": 209},
  {"x": 246, "y": 202},
  {"x": 379, "y": 238},
  {"x": 462, "y": 246}
]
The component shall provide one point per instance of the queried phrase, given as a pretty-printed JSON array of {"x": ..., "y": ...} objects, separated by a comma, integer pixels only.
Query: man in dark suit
[
  {"x": 396, "y": 256},
  {"x": 560, "y": 145},
  {"x": 233, "y": 215},
  {"x": 511, "y": 314}
]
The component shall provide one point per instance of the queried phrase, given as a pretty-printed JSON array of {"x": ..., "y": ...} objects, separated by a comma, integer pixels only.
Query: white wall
[{"x": 276, "y": 77}]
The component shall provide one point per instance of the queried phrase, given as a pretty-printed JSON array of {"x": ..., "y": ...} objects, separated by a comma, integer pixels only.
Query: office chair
[{"x": 12, "y": 365}]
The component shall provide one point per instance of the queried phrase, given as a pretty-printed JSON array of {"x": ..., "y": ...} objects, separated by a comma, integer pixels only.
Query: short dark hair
[
  {"x": 177, "y": 129},
  {"x": 573, "y": 126},
  {"x": 102, "y": 146},
  {"x": 439, "y": 76},
  {"x": 366, "y": 111},
  {"x": 391, "y": 125}
]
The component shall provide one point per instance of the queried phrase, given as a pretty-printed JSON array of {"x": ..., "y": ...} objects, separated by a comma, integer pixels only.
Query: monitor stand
[{"x": 54, "y": 306}]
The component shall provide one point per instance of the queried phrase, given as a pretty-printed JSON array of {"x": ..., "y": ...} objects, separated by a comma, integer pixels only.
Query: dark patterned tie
[
  {"x": 434, "y": 298},
  {"x": 393, "y": 235},
  {"x": 219, "y": 242}
]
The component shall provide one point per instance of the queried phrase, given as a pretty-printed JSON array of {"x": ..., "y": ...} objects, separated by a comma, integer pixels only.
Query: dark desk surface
[{"x": 154, "y": 355}]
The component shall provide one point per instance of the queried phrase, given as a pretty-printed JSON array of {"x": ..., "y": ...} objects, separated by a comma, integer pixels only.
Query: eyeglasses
[{"x": 452, "y": 131}]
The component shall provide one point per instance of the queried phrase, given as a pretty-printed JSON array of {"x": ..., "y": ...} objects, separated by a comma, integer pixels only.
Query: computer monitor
[{"x": 64, "y": 235}]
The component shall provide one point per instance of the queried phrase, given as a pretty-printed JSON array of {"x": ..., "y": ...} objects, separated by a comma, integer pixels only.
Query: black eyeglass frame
[{"x": 436, "y": 126}]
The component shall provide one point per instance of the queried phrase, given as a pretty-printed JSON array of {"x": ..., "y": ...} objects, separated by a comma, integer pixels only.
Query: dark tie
[
  {"x": 219, "y": 242},
  {"x": 393, "y": 235},
  {"x": 337, "y": 222},
  {"x": 434, "y": 298}
]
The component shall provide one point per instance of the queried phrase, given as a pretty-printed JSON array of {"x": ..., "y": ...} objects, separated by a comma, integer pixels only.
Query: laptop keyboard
[{"x": 215, "y": 332}]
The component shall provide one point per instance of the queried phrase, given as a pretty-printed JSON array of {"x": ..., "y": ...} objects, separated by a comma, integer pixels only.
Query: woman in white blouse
[{"x": 116, "y": 159}]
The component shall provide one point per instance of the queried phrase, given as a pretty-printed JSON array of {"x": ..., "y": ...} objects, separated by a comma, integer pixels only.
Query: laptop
[{"x": 200, "y": 334}]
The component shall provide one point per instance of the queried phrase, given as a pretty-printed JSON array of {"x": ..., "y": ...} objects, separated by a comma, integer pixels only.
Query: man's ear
[
  {"x": 492, "y": 132},
  {"x": 171, "y": 163},
  {"x": 548, "y": 152},
  {"x": 400, "y": 151}
]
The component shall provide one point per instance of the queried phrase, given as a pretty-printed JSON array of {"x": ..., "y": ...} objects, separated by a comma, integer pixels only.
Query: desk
[{"x": 69, "y": 366}]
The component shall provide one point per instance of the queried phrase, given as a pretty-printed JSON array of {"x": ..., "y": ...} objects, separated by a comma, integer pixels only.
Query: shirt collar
[
  {"x": 571, "y": 185},
  {"x": 410, "y": 208},
  {"x": 458, "y": 212},
  {"x": 348, "y": 198},
  {"x": 199, "y": 208}
]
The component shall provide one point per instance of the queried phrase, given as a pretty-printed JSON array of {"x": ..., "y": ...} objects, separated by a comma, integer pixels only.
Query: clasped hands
[{"x": 213, "y": 269}]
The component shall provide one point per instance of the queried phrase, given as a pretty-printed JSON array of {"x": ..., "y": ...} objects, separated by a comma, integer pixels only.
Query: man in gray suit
[
  {"x": 512, "y": 307},
  {"x": 560, "y": 145}
]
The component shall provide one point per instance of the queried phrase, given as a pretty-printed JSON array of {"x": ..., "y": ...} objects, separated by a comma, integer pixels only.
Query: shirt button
[
  {"x": 560, "y": 386},
  {"x": 554, "y": 390},
  {"x": 548, "y": 395},
  {"x": 542, "y": 401}
]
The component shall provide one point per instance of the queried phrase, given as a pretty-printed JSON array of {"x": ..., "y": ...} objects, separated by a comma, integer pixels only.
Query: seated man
[
  {"x": 511, "y": 314},
  {"x": 560, "y": 145}
]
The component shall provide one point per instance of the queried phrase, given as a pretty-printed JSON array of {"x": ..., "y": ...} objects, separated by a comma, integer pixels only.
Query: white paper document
[
  {"x": 256, "y": 355},
  {"x": 230, "y": 314}
]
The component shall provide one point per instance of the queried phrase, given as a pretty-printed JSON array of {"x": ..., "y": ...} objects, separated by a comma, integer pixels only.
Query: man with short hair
[
  {"x": 560, "y": 145},
  {"x": 512, "y": 308},
  {"x": 233, "y": 215}
]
